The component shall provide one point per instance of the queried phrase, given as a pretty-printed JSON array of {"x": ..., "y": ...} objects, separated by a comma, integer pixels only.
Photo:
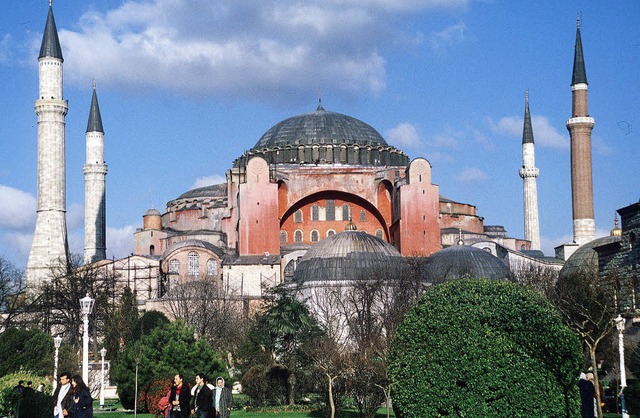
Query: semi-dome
[
  {"x": 585, "y": 259},
  {"x": 215, "y": 190},
  {"x": 348, "y": 256},
  {"x": 323, "y": 137},
  {"x": 459, "y": 261}
]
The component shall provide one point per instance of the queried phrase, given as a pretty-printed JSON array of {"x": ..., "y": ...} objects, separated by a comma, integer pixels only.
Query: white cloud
[
  {"x": 447, "y": 140},
  {"x": 544, "y": 133},
  {"x": 472, "y": 174},
  {"x": 452, "y": 34},
  {"x": 208, "y": 181},
  {"x": 405, "y": 135},
  {"x": 17, "y": 208},
  {"x": 600, "y": 146},
  {"x": 120, "y": 241},
  {"x": 5, "y": 52}
]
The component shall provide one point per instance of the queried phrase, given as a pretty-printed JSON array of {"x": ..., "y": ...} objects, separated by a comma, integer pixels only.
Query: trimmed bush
[
  {"x": 32, "y": 403},
  {"x": 484, "y": 348}
]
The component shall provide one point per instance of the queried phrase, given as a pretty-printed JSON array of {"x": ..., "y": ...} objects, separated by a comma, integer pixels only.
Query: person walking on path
[
  {"x": 82, "y": 406},
  {"x": 202, "y": 398},
  {"x": 63, "y": 396},
  {"x": 180, "y": 398},
  {"x": 222, "y": 399},
  {"x": 587, "y": 392}
]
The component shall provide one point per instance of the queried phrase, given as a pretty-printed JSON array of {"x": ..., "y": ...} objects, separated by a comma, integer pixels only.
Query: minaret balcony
[
  {"x": 581, "y": 120},
  {"x": 529, "y": 172}
]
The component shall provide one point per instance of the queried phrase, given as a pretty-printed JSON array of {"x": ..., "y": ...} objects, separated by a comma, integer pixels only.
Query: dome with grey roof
[
  {"x": 585, "y": 259},
  {"x": 347, "y": 256},
  {"x": 460, "y": 261},
  {"x": 323, "y": 137},
  {"x": 215, "y": 190},
  {"x": 152, "y": 212}
]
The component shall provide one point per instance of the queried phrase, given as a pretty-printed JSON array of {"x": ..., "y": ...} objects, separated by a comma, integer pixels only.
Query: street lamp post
[
  {"x": 86, "y": 305},
  {"x": 103, "y": 353},
  {"x": 57, "y": 341},
  {"x": 620, "y": 322}
]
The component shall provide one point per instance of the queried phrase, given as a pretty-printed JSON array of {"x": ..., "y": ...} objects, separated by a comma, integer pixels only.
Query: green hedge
[{"x": 484, "y": 348}]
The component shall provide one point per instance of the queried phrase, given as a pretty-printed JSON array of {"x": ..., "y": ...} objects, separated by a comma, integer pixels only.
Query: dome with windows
[
  {"x": 323, "y": 137},
  {"x": 348, "y": 256}
]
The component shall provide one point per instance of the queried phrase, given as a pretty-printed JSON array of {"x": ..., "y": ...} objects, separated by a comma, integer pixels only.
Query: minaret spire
[
  {"x": 580, "y": 126},
  {"x": 95, "y": 172},
  {"x": 49, "y": 247},
  {"x": 529, "y": 174}
]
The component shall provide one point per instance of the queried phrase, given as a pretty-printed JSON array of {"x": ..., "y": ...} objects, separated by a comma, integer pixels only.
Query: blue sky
[{"x": 185, "y": 86}]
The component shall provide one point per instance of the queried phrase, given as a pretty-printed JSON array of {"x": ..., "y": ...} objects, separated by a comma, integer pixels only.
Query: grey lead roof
[
  {"x": 527, "y": 133},
  {"x": 50, "y": 43},
  {"x": 319, "y": 127},
  {"x": 579, "y": 72},
  {"x": 459, "y": 261},
  {"x": 95, "y": 120}
]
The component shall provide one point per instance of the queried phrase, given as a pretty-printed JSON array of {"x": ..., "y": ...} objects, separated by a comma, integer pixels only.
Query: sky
[{"x": 186, "y": 86}]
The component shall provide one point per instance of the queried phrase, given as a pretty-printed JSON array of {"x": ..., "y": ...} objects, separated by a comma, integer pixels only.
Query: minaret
[
  {"x": 49, "y": 246},
  {"x": 95, "y": 172},
  {"x": 529, "y": 174},
  {"x": 580, "y": 126}
]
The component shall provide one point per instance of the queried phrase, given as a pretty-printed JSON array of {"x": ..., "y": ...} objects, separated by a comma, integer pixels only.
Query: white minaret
[
  {"x": 95, "y": 172},
  {"x": 529, "y": 174},
  {"x": 49, "y": 246}
]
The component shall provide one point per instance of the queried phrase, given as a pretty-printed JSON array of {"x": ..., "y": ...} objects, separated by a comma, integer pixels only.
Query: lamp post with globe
[
  {"x": 57, "y": 342},
  {"x": 103, "y": 353},
  {"x": 86, "y": 306}
]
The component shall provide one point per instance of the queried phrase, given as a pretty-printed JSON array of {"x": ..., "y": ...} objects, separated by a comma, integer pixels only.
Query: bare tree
[
  {"x": 12, "y": 285},
  {"x": 332, "y": 360},
  {"x": 540, "y": 278}
]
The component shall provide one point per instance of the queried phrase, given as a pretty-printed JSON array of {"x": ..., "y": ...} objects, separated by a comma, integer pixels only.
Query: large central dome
[
  {"x": 323, "y": 137},
  {"x": 320, "y": 127}
]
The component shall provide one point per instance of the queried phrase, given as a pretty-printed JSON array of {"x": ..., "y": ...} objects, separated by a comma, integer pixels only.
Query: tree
[
  {"x": 120, "y": 328},
  {"x": 588, "y": 306},
  {"x": 332, "y": 361},
  {"x": 480, "y": 348},
  {"x": 11, "y": 286},
  {"x": 24, "y": 349},
  {"x": 166, "y": 351}
]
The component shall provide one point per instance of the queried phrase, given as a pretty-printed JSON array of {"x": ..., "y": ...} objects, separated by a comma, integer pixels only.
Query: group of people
[
  {"x": 72, "y": 398},
  {"x": 203, "y": 400},
  {"x": 588, "y": 398}
]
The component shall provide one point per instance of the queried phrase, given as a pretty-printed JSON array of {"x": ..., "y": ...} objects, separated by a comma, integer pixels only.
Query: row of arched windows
[
  {"x": 193, "y": 265},
  {"x": 330, "y": 213},
  {"x": 314, "y": 235}
]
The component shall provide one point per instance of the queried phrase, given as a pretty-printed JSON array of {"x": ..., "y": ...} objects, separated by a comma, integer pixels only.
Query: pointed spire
[
  {"x": 616, "y": 231},
  {"x": 320, "y": 108},
  {"x": 95, "y": 120},
  {"x": 50, "y": 43},
  {"x": 527, "y": 133},
  {"x": 579, "y": 72}
]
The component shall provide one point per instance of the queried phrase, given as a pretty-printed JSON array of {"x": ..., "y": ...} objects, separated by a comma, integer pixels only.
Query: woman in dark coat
[{"x": 82, "y": 406}]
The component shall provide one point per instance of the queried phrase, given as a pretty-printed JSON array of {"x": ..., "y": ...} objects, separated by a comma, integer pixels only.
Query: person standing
[
  {"x": 202, "y": 399},
  {"x": 587, "y": 392},
  {"x": 82, "y": 406},
  {"x": 179, "y": 398},
  {"x": 222, "y": 399},
  {"x": 63, "y": 396}
]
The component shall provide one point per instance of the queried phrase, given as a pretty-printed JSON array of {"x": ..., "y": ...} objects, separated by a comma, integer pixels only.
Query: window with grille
[
  {"x": 315, "y": 213},
  {"x": 331, "y": 210},
  {"x": 297, "y": 217},
  {"x": 363, "y": 216},
  {"x": 297, "y": 236},
  {"x": 174, "y": 266},
  {"x": 314, "y": 236},
  {"x": 345, "y": 212},
  {"x": 283, "y": 237},
  {"x": 212, "y": 267},
  {"x": 194, "y": 261}
]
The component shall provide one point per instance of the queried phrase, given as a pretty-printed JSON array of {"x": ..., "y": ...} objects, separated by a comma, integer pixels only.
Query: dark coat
[
  {"x": 184, "y": 399},
  {"x": 83, "y": 408},
  {"x": 67, "y": 401},
  {"x": 226, "y": 399},
  {"x": 202, "y": 399},
  {"x": 587, "y": 392}
]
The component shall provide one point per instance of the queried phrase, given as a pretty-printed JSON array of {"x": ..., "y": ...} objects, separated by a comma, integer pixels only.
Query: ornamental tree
[{"x": 484, "y": 348}]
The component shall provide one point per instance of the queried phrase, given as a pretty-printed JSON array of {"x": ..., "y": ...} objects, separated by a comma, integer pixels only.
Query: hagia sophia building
[{"x": 306, "y": 179}]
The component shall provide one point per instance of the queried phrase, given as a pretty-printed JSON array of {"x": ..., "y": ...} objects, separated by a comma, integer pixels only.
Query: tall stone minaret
[
  {"x": 49, "y": 246},
  {"x": 580, "y": 125},
  {"x": 529, "y": 174},
  {"x": 95, "y": 172}
]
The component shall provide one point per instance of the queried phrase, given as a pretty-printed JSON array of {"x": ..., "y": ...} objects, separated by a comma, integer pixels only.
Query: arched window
[
  {"x": 297, "y": 236},
  {"x": 283, "y": 237},
  {"x": 363, "y": 215},
  {"x": 194, "y": 264},
  {"x": 152, "y": 250},
  {"x": 212, "y": 267},
  {"x": 345, "y": 212},
  {"x": 330, "y": 232},
  {"x": 314, "y": 236},
  {"x": 174, "y": 266},
  {"x": 297, "y": 217},
  {"x": 331, "y": 210},
  {"x": 315, "y": 213},
  {"x": 379, "y": 233}
]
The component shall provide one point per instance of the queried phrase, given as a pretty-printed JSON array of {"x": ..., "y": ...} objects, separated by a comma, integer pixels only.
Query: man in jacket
[
  {"x": 63, "y": 397},
  {"x": 202, "y": 398},
  {"x": 222, "y": 399},
  {"x": 179, "y": 398}
]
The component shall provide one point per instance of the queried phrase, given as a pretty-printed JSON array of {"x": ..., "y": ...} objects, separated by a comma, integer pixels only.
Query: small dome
[
  {"x": 152, "y": 212},
  {"x": 349, "y": 255},
  {"x": 459, "y": 261},
  {"x": 585, "y": 259},
  {"x": 215, "y": 190}
]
